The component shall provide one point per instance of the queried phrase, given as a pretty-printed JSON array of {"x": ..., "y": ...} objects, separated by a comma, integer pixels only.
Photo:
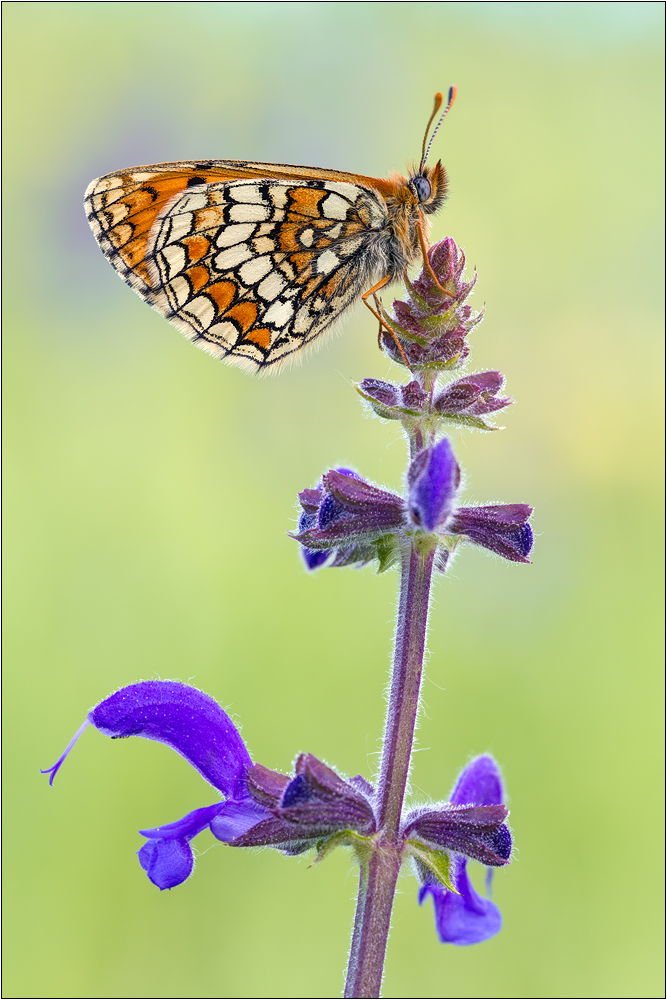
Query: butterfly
[{"x": 254, "y": 261}]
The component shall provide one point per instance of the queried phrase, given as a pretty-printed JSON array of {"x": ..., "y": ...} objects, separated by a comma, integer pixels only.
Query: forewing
[{"x": 250, "y": 267}]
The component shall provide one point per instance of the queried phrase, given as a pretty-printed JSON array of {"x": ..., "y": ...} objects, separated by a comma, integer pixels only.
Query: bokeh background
[{"x": 149, "y": 490}]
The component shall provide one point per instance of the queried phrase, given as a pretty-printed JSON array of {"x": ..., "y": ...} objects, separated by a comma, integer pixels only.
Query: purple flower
[
  {"x": 262, "y": 807},
  {"x": 433, "y": 481},
  {"x": 350, "y": 518},
  {"x": 193, "y": 724},
  {"x": 465, "y": 917}
]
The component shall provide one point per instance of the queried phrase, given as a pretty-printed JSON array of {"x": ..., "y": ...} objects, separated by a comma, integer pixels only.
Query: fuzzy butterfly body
[{"x": 254, "y": 261}]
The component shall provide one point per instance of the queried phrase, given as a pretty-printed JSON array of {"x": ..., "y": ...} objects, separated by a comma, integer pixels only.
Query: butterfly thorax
[{"x": 411, "y": 201}]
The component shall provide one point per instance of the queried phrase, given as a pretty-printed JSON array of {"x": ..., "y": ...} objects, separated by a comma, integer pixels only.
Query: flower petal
[
  {"x": 265, "y": 785},
  {"x": 186, "y": 828},
  {"x": 166, "y": 862},
  {"x": 235, "y": 819},
  {"x": 189, "y": 721},
  {"x": 433, "y": 478},
  {"x": 314, "y": 558},
  {"x": 167, "y": 856},
  {"x": 479, "y": 784},
  {"x": 462, "y": 919}
]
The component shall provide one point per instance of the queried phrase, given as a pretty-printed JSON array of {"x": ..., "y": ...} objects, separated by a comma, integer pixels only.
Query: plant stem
[{"x": 379, "y": 872}]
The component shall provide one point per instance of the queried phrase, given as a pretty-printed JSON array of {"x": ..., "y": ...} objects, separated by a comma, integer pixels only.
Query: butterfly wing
[{"x": 251, "y": 261}]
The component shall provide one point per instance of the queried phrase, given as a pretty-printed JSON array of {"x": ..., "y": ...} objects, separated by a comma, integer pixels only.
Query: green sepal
[
  {"x": 466, "y": 420},
  {"x": 436, "y": 861},
  {"x": 420, "y": 301},
  {"x": 344, "y": 838},
  {"x": 388, "y": 550},
  {"x": 440, "y": 366},
  {"x": 415, "y": 296},
  {"x": 450, "y": 542}
]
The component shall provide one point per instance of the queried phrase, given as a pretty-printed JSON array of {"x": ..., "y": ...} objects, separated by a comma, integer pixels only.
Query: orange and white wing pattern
[{"x": 251, "y": 261}]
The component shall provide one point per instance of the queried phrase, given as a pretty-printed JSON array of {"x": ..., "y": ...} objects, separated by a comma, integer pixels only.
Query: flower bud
[
  {"x": 468, "y": 399},
  {"x": 351, "y": 518},
  {"x": 433, "y": 480},
  {"x": 394, "y": 402},
  {"x": 502, "y": 528}
]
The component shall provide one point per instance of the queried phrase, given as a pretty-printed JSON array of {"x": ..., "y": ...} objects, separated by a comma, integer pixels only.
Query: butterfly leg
[
  {"x": 380, "y": 329},
  {"x": 376, "y": 312},
  {"x": 427, "y": 263}
]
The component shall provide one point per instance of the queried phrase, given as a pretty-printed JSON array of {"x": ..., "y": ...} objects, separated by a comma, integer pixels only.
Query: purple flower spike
[
  {"x": 448, "y": 263},
  {"x": 502, "y": 528},
  {"x": 433, "y": 478},
  {"x": 465, "y": 917}
]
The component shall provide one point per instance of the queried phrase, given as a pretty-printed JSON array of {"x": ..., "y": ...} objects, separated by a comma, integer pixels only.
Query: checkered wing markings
[
  {"x": 284, "y": 259},
  {"x": 122, "y": 209},
  {"x": 250, "y": 269}
]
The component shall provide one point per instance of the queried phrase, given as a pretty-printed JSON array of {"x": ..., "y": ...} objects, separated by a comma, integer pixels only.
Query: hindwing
[{"x": 251, "y": 261}]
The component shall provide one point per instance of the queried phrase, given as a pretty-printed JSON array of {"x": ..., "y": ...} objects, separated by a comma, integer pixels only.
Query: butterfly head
[{"x": 429, "y": 187}]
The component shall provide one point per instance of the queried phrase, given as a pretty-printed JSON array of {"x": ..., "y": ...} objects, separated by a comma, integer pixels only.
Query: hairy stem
[{"x": 380, "y": 872}]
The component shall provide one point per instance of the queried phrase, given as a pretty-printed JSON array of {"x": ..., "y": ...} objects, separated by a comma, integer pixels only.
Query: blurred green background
[{"x": 149, "y": 489}]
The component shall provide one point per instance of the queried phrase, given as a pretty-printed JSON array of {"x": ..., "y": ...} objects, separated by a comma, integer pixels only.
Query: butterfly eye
[{"x": 422, "y": 187}]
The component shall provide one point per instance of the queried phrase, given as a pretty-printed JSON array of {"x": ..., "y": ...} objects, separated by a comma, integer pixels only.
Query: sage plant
[{"x": 347, "y": 521}]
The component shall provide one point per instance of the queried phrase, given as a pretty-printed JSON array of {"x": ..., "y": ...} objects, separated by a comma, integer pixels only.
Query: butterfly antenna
[{"x": 438, "y": 101}]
